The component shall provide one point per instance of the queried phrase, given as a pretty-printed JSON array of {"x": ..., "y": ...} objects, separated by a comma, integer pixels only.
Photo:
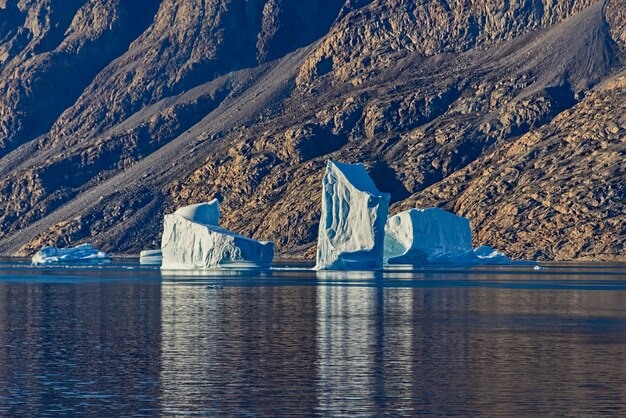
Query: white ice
[
  {"x": 428, "y": 236},
  {"x": 434, "y": 236},
  {"x": 207, "y": 213},
  {"x": 151, "y": 257},
  {"x": 84, "y": 253},
  {"x": 352, "y": 225},
  {"x": 193, "y": 240},
  {"x": 488, "y": 255}
]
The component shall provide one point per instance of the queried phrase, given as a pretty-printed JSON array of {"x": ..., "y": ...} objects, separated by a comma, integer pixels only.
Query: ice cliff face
[
  {"x": 193, "y": 240},
  {"x": 352, "y": 226}
]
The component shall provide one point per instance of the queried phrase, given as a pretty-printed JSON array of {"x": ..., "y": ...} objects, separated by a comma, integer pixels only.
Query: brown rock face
[
  {"x": 372, "y": 36},
  {"x": 510, "y": 113},
  {"x": 54, "y": 54},
  {"x": 555, "y": 193}
]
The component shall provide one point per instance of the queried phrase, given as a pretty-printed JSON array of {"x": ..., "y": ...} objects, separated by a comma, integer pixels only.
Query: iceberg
[
  {"x": 428, "y": 236},
  {"x": 352, "y": 225},
  {"x": 83, "y": 254},
  {"x": 151, "y": 257},
  {"x": 435, "y": 236},
  {"x": 205, "y": 213},
  {"x": 192, "y": 239},
  {"x": 488, "y": 255}
]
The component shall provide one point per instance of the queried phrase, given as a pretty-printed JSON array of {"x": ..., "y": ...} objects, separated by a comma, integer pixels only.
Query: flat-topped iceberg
[
  {"x": 352, "y": 225},
  {"x": 83, "y": 254},
  {"x": 192, "y": 239},
  {"x": 434, "y": 236},
  {"x": 151, "y": 257},
  {"x": 428, "y": 236}
]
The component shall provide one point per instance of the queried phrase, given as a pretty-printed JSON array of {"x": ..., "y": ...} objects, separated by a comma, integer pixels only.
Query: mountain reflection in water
[{"x": 123, "y": 340}]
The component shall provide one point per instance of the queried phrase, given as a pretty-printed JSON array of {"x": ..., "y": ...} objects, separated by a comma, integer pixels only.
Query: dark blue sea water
[{"x": 123, "y": 340}]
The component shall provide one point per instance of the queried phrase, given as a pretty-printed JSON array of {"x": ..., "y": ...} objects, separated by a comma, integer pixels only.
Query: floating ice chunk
[
  {"x": 352, "y": 226},
  {"x": 488, "y": 255},
  {"x": 84, "y": 253},
  {"x": 435, "y": 236},
  {"x": 428, "y": 236},
  {"x": 192, "y": 240},
  {"x": 151, "y": 257}
]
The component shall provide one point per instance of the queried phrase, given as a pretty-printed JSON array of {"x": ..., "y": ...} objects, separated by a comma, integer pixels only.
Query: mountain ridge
[{"x": 258, "y": 137}]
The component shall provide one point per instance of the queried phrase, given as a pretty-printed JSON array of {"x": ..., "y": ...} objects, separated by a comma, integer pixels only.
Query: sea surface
[{"x": 127, "y": 340}]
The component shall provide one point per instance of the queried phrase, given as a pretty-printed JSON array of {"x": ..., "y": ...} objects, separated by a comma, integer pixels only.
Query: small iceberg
[
  {"x": 193, "y": 240},
  {"x": 435, "y": 236},
  {"x": 352, "y": 225},
  {"x": 428, "y": 236},
  {"x": 83, "y": 254},
  {"x": 151, "y": 257},
  {"x": 488, "y": 255}
]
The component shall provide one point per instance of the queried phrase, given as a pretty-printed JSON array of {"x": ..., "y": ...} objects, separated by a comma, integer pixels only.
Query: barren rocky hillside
[{"x": 114, "y": 112}]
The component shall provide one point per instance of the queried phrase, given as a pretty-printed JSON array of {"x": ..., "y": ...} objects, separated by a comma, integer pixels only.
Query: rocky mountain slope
[{"x": 511, "y": 113}]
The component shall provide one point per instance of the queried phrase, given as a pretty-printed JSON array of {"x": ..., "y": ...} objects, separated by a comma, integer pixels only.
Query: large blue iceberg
[{"x": 352, "y": 225}]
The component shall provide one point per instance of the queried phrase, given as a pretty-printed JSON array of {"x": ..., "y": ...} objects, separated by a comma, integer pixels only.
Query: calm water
[{"x": 123, "y": 340}]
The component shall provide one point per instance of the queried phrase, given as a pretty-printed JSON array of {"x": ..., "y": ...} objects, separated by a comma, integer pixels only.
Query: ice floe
[
  {"x": 488, "y": 255},
  {"x": 152, "y": 257},
  {"x": 84, "y": 254}
]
